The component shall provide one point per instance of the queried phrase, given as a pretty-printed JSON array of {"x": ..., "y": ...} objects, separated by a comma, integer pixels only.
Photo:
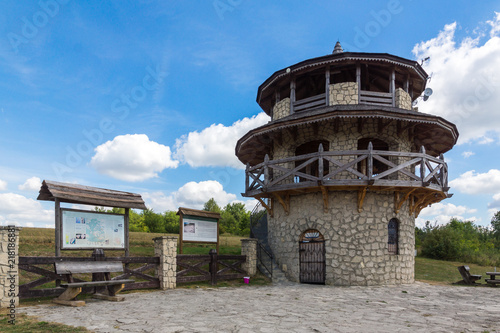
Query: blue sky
[{"x": 88, "y": 87}]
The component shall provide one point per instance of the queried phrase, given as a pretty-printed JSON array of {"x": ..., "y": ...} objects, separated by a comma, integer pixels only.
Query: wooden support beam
[
  {"x": 336, "y": 123},
  {"x": 400, "y": 203},
  {"x": 268, "y": 208},
  {"x": 292, "y": 95},
  {"x": 383, "y": 125},
  {"x": 284, "y": 202},
  {"x": 361, "y": 124},
  {"x": 361, "y": 198},
  {"x": 324, "y": 191}
]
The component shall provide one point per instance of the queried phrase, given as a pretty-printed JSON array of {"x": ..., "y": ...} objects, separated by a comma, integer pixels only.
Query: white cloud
[
  {"x": 31, "y": 184},
  {"x": 467, "y": 154},
  {"x": 214, "y": 146},
  {"x": 19, "y": 210},
  {"x": 441, "y": 214},
  {"x": 471, "y": 182},
  {"x": 495, "y": 25},
  {"x": 495, "y": 204},
  {"x": 132, "y": 157},
  {"x": 192, "y": 195},
  {"x": 3, "y": 185},
  {"x": 465, "y": 80}
]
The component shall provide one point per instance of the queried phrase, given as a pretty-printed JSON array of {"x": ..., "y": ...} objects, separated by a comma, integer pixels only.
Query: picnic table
[{"x": 492, "y": 279}]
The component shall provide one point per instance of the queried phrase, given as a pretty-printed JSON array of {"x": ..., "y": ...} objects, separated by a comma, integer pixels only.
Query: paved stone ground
[{"x": 290, "y": 308}]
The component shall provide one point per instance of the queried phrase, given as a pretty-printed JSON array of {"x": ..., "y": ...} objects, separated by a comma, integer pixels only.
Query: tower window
[{"x": 393, "y": 233}]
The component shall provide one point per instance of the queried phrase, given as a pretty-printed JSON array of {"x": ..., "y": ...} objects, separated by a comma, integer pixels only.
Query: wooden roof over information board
[
  {"x": 87, "y": 195},
  {"x": 196, "y": 212}
]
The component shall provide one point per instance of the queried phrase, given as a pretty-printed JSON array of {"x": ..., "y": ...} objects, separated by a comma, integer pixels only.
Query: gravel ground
[{"x": 417, "y": 307}]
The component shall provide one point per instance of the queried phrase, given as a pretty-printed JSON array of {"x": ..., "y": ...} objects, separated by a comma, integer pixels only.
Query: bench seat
[
  {"x": 73, "y": 289},
  {"x": 492, "y": 282},
  {"x": 95, "y": 283}
]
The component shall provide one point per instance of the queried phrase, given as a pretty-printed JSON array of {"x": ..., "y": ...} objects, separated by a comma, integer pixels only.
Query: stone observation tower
[{"x": 344, "y": 167}]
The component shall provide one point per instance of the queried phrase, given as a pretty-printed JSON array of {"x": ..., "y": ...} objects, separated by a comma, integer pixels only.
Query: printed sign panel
[
  {"x": 89, "y": 230},
  {"x": 199, "y": 230}
]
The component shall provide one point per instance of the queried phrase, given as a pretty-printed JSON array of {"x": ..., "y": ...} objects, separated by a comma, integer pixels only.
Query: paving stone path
[{"x": 290, "y": 308}]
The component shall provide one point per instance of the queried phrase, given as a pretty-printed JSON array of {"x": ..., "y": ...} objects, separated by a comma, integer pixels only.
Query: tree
[
  {"x": 154, "y": 222},
  {"x": 211, "y": 206},
  {"x": 495, "y": 224}
]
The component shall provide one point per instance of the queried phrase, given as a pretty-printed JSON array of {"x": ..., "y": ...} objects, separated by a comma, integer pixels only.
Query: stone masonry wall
[
  {"x": 9, "y": 271},
  {"x": 249, "y": 249},
  {"x": 344, "y": 93},
  {"x": 403, "y": 99},
  {"x": 281, "y": 109},
  {"x": 356, "y": 243},
  {"x": 166, "y": 249}
]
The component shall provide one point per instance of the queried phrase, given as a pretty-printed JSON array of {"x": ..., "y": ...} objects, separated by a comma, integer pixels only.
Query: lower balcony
[{"x": 417, "y": 177}]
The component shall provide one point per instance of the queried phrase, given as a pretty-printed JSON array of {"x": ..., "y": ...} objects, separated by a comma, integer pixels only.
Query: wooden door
[{"x": 312, "y": 257}]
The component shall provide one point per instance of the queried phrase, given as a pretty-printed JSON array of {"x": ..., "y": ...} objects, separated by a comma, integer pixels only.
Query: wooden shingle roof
[
  {"x": 87, "y": 195},
  {"x": 196, "y": 212}
]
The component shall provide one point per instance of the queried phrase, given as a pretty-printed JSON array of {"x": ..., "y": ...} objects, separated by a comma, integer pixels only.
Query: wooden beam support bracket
[
  {"x": 268, "y": 208},
  {"x": 361, "y": 198},
  {"x": 284, "y": 202},
  {"x": 400, "y": 203}
]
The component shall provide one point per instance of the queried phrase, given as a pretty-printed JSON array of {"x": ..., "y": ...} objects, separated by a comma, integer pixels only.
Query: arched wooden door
[{"x": 312, "y": 257}]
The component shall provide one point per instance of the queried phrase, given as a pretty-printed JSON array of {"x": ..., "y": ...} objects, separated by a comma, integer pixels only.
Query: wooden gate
[{"x": 312, "y": 257}]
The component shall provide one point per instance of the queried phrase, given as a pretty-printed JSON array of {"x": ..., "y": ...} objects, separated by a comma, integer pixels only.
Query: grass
[
  {"x": 26, "y": 323},
  {"x": 445, "y": 272}
]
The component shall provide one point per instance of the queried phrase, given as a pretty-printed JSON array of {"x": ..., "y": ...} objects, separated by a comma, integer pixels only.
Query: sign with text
[
  {"x": 196, "y": 229},
  {"x": 91, "y": 230}
]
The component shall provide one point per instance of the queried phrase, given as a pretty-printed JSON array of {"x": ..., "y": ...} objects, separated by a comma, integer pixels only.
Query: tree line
[
  {"x": 235, "y": 219},
  {"x": 461, "y": 241}
]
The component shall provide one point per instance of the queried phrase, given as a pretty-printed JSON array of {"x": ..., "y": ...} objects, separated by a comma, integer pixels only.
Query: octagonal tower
[{"x": 344, "y": 167}]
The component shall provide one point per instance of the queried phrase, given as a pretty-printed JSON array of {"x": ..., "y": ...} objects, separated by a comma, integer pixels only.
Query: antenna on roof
[
  {"x": 424, "y": 60},
  {"x": 427, "y": 93}
]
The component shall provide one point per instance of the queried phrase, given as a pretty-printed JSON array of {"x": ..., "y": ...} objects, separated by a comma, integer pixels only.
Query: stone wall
[
  {"x": 249, "y": 249},
  {"x": 9, "y": 271},
  {"x": 166, "y": 249},
  {"x": 344, "y": 93},
  {"x": 281, "y": 109},
  {"x": 356, "y": 243},
  {"x": 403, "y": 99}
]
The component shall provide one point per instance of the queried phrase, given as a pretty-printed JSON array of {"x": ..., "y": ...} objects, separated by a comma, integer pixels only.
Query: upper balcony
[
  {"x": 418, "y": 177},
  {"x": 342, "y": 78}
]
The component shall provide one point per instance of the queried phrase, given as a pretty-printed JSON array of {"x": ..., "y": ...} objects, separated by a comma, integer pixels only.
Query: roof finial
[{"x": 337, "y": 48}]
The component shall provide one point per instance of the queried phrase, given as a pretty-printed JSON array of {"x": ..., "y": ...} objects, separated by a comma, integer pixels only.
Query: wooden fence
[
  {"x": 211, "y": 267},
  {"x": 43, "y": 267}
]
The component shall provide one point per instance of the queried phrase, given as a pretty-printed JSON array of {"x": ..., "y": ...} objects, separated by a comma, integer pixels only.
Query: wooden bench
[
  {"x": 467, "y": 276},
  {"x": 68, "y": 268}
]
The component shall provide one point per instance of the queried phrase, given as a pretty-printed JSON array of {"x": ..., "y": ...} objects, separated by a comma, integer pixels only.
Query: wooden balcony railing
[
  {"x": 348, "y": 168},
  {"x": 376, "y": 98}
]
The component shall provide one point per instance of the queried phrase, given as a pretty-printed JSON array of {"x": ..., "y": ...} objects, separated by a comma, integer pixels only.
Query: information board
[
  {"x": 199, "y": 230},
  {"x": 91, "y": 230}
]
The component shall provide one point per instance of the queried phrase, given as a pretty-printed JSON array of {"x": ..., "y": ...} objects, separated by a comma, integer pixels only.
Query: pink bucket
[{"x": 246, "y": 279}]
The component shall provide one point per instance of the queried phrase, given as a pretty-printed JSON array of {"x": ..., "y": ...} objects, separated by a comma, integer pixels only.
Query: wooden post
[
  {"x": 441, "y": 173},
  {"x": 422, "y": 164},
  {"x": 358, "y": 79},
  {"x": 327, "y": 85},
  {"x": 180, "y": 232},
  {"x": 370, "y": 160},
  {"x": 127, "y": 220},
  {"x": 407, "y": 83},
  {"x": 247, "y": 178},
  {"x": 393, "y": 87},
  {"x": 266, "y": 170},
  {"x": 292, "y": 95},
  {"x": 213, "y": 267},
  {"x": 320, "y": 163},
  {"x": 58, "y": 227}
]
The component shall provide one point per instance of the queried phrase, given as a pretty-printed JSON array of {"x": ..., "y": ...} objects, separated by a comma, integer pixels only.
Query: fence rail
[
  {"x": 348, "y": 168},
  {"x": 44, "y": 267},
  {"x": 211, "y": 267}
]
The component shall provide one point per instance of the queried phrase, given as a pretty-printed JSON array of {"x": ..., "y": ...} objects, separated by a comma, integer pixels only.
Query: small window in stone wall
[{"x": 393, "y": 232}]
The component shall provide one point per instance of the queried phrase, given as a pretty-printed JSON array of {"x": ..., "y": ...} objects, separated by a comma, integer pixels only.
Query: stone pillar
[
  {"x": 9, "y": 271},
  {"x": 249, "y": 249},
  {"x": 166, "y": 249}
]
